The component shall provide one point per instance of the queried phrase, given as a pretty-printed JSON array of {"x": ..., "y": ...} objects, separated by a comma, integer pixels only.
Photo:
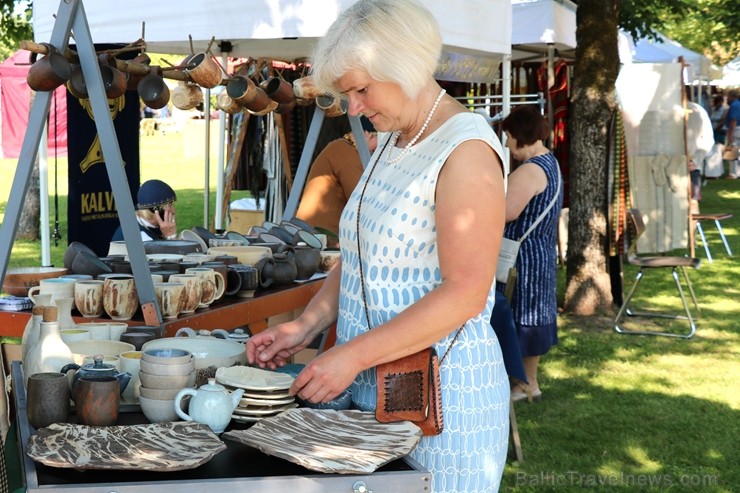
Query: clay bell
[{"x": 49, "y": 72}]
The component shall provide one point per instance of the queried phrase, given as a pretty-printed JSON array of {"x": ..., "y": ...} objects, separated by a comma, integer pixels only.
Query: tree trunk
[
  {"x": 28, "y": 224},
  {"x": 588, "y": 289}
]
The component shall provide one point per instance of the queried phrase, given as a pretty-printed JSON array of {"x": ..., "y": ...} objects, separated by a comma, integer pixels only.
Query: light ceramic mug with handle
[
  {"x": 57, "y": 287},
  {"x": 212, "y": 283}
]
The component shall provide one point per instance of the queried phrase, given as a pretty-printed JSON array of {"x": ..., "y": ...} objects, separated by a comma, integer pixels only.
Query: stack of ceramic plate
[{"x": 265, "y": 392}]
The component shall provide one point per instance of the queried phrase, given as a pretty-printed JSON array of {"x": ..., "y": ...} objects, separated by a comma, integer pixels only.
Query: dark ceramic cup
[
  {"x": 47, "y": 399},
  {"x": 97, "y": 400}
]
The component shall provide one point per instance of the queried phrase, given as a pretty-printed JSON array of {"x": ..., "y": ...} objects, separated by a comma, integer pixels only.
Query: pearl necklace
[{"x": 408, "y": 146}]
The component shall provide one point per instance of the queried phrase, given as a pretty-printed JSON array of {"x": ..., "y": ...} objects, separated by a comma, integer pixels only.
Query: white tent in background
[
  {"x": 665, "y": 50},
  {"x": 730, "y": 74},
  {"x": 542, "y": 25}
]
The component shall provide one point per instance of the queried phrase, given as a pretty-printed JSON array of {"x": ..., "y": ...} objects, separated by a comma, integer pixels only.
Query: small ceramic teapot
[
  {"x": 211, "y": 404},
  {"x": 95, "y": 370}
]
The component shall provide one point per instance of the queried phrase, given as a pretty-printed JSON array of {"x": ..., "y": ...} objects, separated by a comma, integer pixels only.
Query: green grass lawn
[{"x": 619, "y": 412}]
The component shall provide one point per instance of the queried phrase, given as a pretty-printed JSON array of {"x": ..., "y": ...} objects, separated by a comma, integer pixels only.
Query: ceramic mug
[
  {"x": 332, "y": 106},
  {"x": 97, "y": 400},
  {"x": 89, "y": 298},
  {"x": 192, "y": 291},
  {"x": 224, "y": 102},
  {"x": 169, "y": 298},
  {"x": 130, "y": 362},
  {"x": 304, "y": 88},
  {"x": 212, "y": 283},
  {"x": 49, "y": 72},
  {"x": 47, "y": 399},
  {"x": 153, "y": 90},
  {"x": 72, "y": 335},
  {"x": 120, "y": 300},
  {"x": 57, "y": 287},
  {"x": 241, "y": 89},
  {"x": 98, "y": 330},
  {"x": 187, "y": 96},
  {"x": 279, "y": 90},
  {"x": 116, "y": 329},
  {"x": 205, "y": 71}
]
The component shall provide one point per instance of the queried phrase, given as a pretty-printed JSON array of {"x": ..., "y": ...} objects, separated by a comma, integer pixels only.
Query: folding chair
[
  {"x": 644, "y": 262},
  {"x": 698, "y": 218}
]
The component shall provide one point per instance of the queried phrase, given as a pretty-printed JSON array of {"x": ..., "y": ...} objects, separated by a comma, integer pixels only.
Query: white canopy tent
[
  {"x": 665, "y": 50},
  {"x": 476, "y": 34}
]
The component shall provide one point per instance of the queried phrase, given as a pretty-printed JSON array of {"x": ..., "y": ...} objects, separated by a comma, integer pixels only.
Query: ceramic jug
[
  {"x": 32, "y": 330},
  {"x": 96, "y": 370},
  {"x": 211, "y": 404},
  {"x": 48, "y": 354},
  {"x": 64, "y": 317}
]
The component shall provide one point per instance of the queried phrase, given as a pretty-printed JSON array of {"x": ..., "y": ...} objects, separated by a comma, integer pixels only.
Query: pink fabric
[{"x": 15, "y": 103}]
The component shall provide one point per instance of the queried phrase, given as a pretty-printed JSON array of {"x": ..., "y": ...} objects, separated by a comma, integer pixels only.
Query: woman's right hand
[{"x": 273, "y": 347}]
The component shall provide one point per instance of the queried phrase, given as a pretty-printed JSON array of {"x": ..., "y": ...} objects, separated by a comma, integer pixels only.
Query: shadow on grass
[{"x": 587, "y": 438}]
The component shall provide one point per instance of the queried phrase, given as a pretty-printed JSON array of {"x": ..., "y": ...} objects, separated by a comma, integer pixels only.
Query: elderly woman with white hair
[{"x": 419, "y": 243}]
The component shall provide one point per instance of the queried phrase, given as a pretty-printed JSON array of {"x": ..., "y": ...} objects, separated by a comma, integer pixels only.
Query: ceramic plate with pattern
[
  {"x": 249, "y": 378},
  {"x": 263, "y": 411},
  {"x": 344, "y": 442},
  {"x": 252, "y": 401}
]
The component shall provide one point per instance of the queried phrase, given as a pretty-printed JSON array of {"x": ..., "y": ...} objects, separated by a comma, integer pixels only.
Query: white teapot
[{"x": 211, "y": 404}]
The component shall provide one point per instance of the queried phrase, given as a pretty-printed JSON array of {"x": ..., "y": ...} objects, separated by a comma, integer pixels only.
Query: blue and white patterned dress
[{"x": 401, "y": 265}]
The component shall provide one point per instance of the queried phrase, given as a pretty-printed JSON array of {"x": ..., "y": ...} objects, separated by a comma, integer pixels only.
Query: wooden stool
[{"x": 698, "y": 218}]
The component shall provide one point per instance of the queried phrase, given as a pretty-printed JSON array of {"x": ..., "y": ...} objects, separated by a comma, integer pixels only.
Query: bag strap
[
  {"x": 359, "y": 251},
  {"x": 544, "y": 213}
]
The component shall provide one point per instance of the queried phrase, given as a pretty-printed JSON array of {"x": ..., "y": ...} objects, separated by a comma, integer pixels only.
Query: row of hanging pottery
[{"x": 203, "y": 71}]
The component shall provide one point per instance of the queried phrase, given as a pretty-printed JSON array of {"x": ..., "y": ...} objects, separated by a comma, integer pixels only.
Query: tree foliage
[{"x": 15, "y": 19}]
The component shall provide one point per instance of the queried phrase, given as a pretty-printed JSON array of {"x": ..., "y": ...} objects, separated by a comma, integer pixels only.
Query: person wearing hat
[
  {"x": 334, "y": 174},
  {"x": 155, "y": 212}
]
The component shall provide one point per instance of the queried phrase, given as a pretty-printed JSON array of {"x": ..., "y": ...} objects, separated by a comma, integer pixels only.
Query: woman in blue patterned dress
[
  {"x": 428, "y": 214},
  {"x": 533, "y": 186}
]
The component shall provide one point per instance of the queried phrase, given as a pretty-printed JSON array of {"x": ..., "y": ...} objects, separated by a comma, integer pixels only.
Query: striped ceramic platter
[{"x": 343, "y": 442}]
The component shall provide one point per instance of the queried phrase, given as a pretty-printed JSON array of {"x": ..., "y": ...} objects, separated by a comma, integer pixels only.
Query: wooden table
[{"x": 228, "y": 313}]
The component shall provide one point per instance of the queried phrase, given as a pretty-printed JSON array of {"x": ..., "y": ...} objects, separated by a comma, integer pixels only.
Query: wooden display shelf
[{"x": 227, "y": 313}]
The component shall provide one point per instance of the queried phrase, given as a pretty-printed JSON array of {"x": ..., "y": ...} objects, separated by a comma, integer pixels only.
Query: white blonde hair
[{"x": 392, "y": 40}]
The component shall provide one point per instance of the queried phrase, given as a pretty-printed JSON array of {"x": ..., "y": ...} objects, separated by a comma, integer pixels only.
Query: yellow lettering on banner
[
  {"x": 98, "y": 202},
  {"x": 95, "y": 153}
]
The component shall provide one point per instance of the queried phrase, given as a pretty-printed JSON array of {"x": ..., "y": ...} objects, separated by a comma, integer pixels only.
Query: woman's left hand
[
  {"x": 167, "y": 225},
  {"x": 327, "y": 375}
]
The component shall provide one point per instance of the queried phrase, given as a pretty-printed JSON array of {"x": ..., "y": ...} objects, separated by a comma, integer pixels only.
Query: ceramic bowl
[
  {"x": 87, "y": 263},
  {"x": 166, "y": 381},
  {"x": 100, "y": 346},
  {"x": 158, "y": 411},
  {"x": 117, "y": 248},
  {"x": 160, "y": 258},
  {"x": 167, "y": 356},
  {"x": 167, "y": 370},
  {"x": 180, "y": 247},
  {"x": 208, "y": 351},
  {"x": 247, "y": 254},
  {"x": 72, "y": 250},
  {"x": 329, "y": 258},
  {"x": 18, "y": 280},
  {"x": 159, "y": 394}
]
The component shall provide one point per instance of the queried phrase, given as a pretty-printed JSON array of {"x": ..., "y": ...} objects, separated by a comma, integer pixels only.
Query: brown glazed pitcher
[{"x": 49, "y": 72}]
